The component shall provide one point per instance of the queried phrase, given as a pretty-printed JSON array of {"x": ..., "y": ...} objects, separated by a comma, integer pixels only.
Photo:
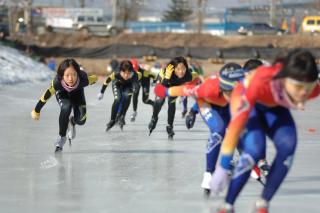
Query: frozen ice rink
[{"x": 128, "y": 171}]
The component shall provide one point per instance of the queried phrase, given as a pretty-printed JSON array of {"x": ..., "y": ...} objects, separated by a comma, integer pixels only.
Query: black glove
[{"x": 190, "y": 119}]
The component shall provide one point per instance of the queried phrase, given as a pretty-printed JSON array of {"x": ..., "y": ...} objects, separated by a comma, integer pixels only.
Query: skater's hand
[
  {"x": 160, "y": 91},
  {"x": 168, "y": 72},
  {"x": 190, "y": 119},
  {"x": 35, "y": 115},
  {"x": 219, "y": 180},
  {"x": 100, "y": 96}
]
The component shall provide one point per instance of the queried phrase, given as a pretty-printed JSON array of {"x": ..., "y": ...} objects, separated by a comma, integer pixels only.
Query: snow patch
[{"x": 16, "y": 67}]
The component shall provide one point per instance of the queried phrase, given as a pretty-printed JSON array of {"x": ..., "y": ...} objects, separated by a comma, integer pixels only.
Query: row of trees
[{"x": 178, "y": 11}]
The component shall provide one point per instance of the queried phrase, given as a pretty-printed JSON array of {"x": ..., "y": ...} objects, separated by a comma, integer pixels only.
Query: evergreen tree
[{"x": 178, "y": 11}]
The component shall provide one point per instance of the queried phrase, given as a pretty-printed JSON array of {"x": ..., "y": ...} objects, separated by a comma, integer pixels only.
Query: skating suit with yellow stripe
[
  {"x": 122, "y": 92},
  {"x": 144, "y": 82},
  {"x": 68, "y": 100},
  {"x": 172, "y": 81},
  {"x": 116, "y": 78}
]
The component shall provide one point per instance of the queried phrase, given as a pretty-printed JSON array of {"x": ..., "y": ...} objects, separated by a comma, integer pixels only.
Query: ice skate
[
  {"x": 205, "y": 184},
  {"x": 226, "y": 208},
  {"x": 133, "y": 116},
  {"x": 256, "y": 174},
  {"x": 261, "y": 206},
  {"x": 170, "y": 132},
  {"x": 59, "y": 143},
  {"x": 184, "y": 112},
  {"x": 121, "y": 122},
  {"x": 71, "y": 132},
  {"x": 110, "y": 124},
  {"x": 152, "y": 124}
]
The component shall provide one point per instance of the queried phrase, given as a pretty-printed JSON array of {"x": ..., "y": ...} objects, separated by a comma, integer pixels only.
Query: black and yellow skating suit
[
  {"x": 122, "y": 92},
  {"x": 158, "y": 103},
  {"x": 144, "y": 82},
  {"x": 74, "y": 99}
]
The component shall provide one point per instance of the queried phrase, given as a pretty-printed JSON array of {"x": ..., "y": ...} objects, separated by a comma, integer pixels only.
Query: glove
[
  {"x": 100, "y": 96},
  {"x": 35, "y": 115},
  {"x": 160, "y": 91},
  {"x": 219, "y": 180},
  {"x": 168, "y": 72},
  {"x": 190, "y": 119}
]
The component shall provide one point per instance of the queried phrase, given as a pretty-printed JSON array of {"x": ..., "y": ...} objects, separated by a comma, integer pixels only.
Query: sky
[
  {"x": 161, "y": 5},
  {"x": 157, "y": 6}
]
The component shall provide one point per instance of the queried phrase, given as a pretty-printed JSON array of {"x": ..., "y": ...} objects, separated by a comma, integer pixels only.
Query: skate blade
[
  {"x": 206, "y": 193},
  {"x": 150, "y": 131},
  {"x": 70, "y": 143},
  {"x": 58, "y": 149},
  {"x": 260, "y": 181}
]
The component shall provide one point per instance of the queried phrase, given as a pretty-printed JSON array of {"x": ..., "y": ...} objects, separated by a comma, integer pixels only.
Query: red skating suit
[
  {"x": 258, "y": 87},
  {"x": 208, "y": 91}
]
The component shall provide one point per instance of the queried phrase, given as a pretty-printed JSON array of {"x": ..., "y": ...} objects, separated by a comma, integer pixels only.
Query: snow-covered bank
[{"x": 16, "y": 67}]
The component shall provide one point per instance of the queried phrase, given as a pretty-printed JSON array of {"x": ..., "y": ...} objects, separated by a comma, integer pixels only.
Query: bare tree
[
  {"x": 82, "y": 3},
  {"x": 28, "y": 16},
  {"x": 200, "y": 7},
  {"x": 126, "y": 10}
]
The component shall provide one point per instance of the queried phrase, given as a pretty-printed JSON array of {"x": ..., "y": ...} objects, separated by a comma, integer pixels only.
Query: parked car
[
  {"x": 4, "y": 31},
  {"x": 96, "y": 25},
  {"x": 259, "y": 29},
  {"x": 311, "y": 24},
  {"x": 86, "y": 24}
]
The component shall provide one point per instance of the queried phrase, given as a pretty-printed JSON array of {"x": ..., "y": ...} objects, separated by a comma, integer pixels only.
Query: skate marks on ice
[{"x": 49, "y": 163}]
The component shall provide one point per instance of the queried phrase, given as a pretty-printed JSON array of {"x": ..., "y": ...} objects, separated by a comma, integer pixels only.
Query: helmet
[
  {"x": 229, "y": 74},
  {"x": 135, "y": 64}
]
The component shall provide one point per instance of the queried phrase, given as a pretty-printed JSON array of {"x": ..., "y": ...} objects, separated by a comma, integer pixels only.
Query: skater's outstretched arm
[
  {"x": 110, "y": 78},
  {"x": 35, "y": 114},
  {"x": 208, "y": 90}
]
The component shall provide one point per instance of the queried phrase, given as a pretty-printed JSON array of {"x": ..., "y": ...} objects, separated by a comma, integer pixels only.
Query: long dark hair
[
  {"x": 178, "y": 60},
  {"x": 300, "y": 65},
  {"x": 252, "y": 64},
  {"x": 69, "y": 62}
]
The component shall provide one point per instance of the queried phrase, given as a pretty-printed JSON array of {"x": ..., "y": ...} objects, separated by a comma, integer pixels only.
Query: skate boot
[
  {"x": 184, "y": 112},
  {"x": 206, "y": 184},
  {"x": 264, "y": 167},
  {"x": 256, "y": 174},
  {"x": 121, "y": 122},
  {"x": 110, "y": 124},
  {"x": 117, "y": 118},
  {"x": 152, "y": 124},
  {"x": 71, "y": 132},
  {"x": 226, "y": 208},
  {"x": 261, "y": 206},
  {"x": 170, "y": 132},
  {"x": 59, "y": 143},
  {"x": 133, "y": 116}
]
